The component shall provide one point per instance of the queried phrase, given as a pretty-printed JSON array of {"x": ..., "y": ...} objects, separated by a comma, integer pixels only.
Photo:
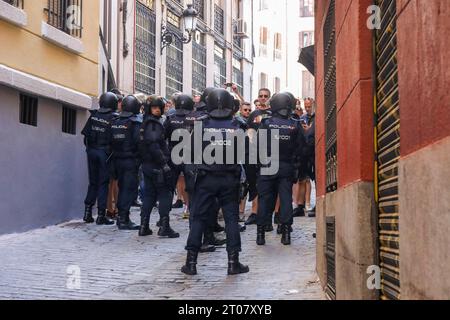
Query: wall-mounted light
[{"x": 189, "y": 25}]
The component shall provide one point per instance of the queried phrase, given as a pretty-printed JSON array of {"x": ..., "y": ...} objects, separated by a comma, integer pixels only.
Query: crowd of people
[{"x": 129, "y": 148}]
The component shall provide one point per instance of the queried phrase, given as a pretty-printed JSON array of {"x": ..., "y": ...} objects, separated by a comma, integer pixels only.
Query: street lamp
[{"x": 189, "y": 24}]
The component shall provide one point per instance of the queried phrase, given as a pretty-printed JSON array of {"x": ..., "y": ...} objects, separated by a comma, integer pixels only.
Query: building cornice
[{"x": 43, "y": 88}]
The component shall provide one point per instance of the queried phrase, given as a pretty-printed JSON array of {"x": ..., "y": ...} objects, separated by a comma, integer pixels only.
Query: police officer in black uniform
[
  {"x": 97, "y": 138},
  {"x": 158, "y": 177},
  {"x": 181, "y": 119},
  {"x": 216, "y": 181},
  {"x": 291, "y": 143},
  {"x": 125, "y": 138}
]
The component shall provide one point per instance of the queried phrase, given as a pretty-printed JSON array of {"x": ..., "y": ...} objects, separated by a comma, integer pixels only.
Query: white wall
[{"x": 283, "y": 17}]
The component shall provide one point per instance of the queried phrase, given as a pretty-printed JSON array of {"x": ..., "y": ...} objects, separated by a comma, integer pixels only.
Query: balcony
[{"x": 11, "y": 11}]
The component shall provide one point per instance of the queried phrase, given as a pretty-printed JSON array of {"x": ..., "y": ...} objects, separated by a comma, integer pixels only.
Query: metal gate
[{"x": 387, "y": 148}]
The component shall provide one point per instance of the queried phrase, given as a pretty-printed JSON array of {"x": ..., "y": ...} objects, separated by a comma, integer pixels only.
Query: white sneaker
[{"x": 308, "y": 207}]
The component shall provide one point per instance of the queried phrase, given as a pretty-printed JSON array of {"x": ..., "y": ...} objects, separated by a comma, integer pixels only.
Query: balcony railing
[
  {"x": 66, "y": 15},
  {"x": 15, "y": 3},
  {"x": 219, "y": 20}
]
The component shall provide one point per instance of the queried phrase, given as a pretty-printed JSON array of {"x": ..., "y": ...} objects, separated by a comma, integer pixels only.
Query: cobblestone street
[{"x": 120, "y": 265}]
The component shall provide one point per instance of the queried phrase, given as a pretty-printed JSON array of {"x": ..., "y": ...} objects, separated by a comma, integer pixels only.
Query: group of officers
[{"x": 139, "y": 136}]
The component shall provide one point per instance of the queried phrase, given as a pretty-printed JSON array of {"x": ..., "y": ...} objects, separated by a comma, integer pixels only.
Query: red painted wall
[
  {"x": 424, "y": 72},
  {"x": 354, "y": 93},
  {"x": 321, "y": 7}
]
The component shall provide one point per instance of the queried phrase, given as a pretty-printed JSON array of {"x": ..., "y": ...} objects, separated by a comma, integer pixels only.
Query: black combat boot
[
  {"x": 145, "y": 230},
  {"x": 279, "y": 229},
  {"x": 234, "y": 266},
  {"x": 88, "y": 215},
  {"x": 261, "y": 235},
  {"x": 190, "y": 268},
  {"x": 124, "y": 222},
  {"x": 102, "y": 220},
  {"x": 165, "y": 230},
  {"x": 286, "y": 234}
]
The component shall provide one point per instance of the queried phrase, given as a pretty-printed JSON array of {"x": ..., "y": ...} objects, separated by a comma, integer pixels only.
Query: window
[
  {"x": 263, "y": 5},
  {"x": 28, "y": 110},
  {"x": 277, "y": 84},
  {"x": 174, "y": 64},
  {"x": 263, "y": 35},
  {"x": 198, "y": 65},
  {"x": 238, "y": 75},
  {"x": 306, "y": 39},
  {"x": 69, "y": 120},
  {"x": 219, "y": 20},
  {"x": 199, "y": 5},
  {"x": 220, "y": 67},
  {"x": 15, "y": 3},
  {"x": 277, "y": 47},
  {"x": 145, "y": 49},
  {"x": 307, "y": 85},
  {"x": 66, "y": 15},
  {"x": 106, "y": 28},
  {"x": 263, "y": 80},
  {"x": 306, "y": 8}
]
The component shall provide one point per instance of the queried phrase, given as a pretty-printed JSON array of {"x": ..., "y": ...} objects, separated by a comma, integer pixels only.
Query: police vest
[
  {"x": 98, "y": 129},
  {"x": 151, "y": 133},
  {"x": 285, "y": 132},
  {"x": 223, "y": 132},
  {"x": 123, "y": 143}
]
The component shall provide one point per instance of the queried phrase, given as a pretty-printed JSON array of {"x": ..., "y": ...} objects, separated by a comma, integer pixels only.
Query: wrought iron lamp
[{"x": 189, "y": 24}]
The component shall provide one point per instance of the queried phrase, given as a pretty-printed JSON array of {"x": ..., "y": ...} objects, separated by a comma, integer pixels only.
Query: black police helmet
[
  {"x": 108, "y": 102},
  {"x": 293, "y": 99},
  {"x": 206, "y": 93},
  {"x": 155, "y": 102},
  {"x": 131, "y": 104},
  {"x": 184, "y": 104},
  {"x": 281, "y": 104},
  {"x": 220, "y": 104}
]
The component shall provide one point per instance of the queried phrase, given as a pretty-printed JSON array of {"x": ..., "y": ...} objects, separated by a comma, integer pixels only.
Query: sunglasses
[
  {"x": 247, "y": 110},
  {"x": 263, "y": 96}
]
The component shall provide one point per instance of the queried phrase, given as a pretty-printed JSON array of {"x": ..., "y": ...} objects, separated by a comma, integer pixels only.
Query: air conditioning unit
[{"x": 241, "y": 29}]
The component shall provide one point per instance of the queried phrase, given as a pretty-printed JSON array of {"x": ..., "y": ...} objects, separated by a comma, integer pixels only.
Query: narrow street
[{"x": 120, "y": 265}]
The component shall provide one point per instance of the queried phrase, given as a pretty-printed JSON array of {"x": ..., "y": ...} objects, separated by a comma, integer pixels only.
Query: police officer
[
  {"x": 291, "y": 142},
  {"x": 216, "y": 181},
  {"x": 97, "y": 138},
  {"x": 200, "y": 108},
  {"x": 125, "y": 138},
  {"x": 158, "y": 175},
  {"x": 179, "y": 120}
]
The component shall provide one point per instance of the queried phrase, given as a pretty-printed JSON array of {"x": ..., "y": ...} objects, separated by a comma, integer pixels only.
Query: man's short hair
[
  {"x": 265, "y": 89},
  {"x": 246, "y": 104}
]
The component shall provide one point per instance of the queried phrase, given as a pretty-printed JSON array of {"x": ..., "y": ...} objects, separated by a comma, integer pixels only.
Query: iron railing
[
  {"x": 66, "y": 15},
  {"x": 174, "y": 66},
  {"x": 145, "y": 76},
  {"x": 330, "y": 99},
  {"x": 198, "y": 67},
  {"x": 15, "y": 3},
  {"x": 199, "y": 5},
  {"x": 220, "y": 71},
  {"x": 219, "y": 20}
]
